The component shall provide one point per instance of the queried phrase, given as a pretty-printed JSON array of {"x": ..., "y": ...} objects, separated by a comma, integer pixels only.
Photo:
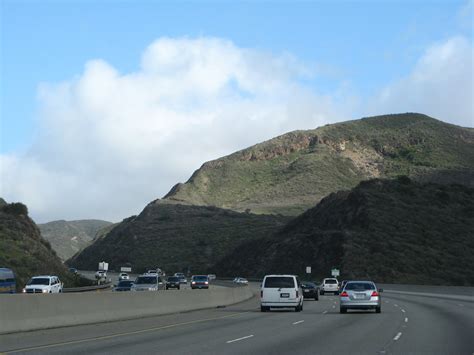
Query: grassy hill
[
  {"x": 292, "y": 172},
  {"x": 396, "y": 231},
  {"x": 176, "y": 238},
  {"x": 69, "y": 237},
  {"x": 23, "y": 250}
]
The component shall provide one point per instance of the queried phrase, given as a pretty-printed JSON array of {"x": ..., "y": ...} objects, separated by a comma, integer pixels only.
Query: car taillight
[
  {"x": 193, "y": 282},
  {"x": 374, "y": 294},
  {"x": 297, "y": 293},
  {"x": 261, "y": 294},
  {"x": 344, "y": 294}
]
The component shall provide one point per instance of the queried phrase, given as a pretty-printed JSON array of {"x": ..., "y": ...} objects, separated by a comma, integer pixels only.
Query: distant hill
[
  {"x": 395, "y": 231},
  {"x": 69, "y": 237},
  {"x": 292, "y": 172},
  {"x": 23, "y": 250},
  {"x": 176, "y": 238}
]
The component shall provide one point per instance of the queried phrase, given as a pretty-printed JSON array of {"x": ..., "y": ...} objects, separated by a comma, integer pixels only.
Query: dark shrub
[{"x": 16, "y": 208}]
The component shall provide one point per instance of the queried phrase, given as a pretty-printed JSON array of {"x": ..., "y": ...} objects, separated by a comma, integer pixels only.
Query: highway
[{"x": 408, "y": 324}]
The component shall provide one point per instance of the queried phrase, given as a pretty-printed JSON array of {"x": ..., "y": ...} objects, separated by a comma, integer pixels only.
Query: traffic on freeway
[{"x": 409, "y": 323}]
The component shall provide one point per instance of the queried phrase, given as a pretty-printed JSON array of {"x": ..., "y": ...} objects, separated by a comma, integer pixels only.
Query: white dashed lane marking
[
  {"x": 325, "y": 312},
  {"x": 398, "y": 336},
  {"x": 298, "y": 322},
  {"x": 239, "y": 339},
  {"x": 403, "y": 310},
  {"x": 406, "y": 320}
]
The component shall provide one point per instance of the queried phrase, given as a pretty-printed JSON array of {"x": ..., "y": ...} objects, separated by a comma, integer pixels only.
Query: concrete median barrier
[{"x": 31, "y": 312}]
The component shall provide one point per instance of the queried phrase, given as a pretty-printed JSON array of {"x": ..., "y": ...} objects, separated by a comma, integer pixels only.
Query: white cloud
[
  {"x": 440, "y": 85},
  {"x": 108, "y": 143}
]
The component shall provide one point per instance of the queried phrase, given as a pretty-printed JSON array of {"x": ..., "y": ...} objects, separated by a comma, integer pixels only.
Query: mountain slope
[
  {"x": 23, "y": 250},
  {"x": 395, "y": 231},
  {"x": 69, "y": 237},
  {"x": 176, "y": 238},
  {"x": 291, "y": 173}
]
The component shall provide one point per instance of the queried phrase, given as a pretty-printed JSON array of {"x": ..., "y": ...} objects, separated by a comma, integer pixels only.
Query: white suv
[
  {"x": 281, "y": 291},
  {"x": 329, "y": 285},
  {"x": 44, "y": 284}
]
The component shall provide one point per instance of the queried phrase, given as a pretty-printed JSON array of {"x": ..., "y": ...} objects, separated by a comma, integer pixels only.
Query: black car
[
  {"x": 310, "y": 290},
  {"x": 124, "y": 285},
  {"x": 173, "y": 282}
]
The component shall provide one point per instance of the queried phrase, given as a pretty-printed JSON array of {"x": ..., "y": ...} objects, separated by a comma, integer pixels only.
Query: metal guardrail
[{"x": 88, "y": 288}]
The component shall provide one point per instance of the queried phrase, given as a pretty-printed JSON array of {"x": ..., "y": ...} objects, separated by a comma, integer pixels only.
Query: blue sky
[
  {"x": 365, "y": 43},
  {"x": 126, "y": 90}
]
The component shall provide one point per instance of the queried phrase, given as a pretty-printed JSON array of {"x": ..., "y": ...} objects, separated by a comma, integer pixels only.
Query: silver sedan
[{"x": 360, "y": 295}]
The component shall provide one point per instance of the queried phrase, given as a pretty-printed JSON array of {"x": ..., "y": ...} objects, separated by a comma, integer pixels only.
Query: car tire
[
  {"x": 336, "y": 293},
  {"x": 378, "y": 309},
  {"x": 263, "y": 309},
  {"x": 316, "y": 298},
  {"x": 321, "y": 293},
  {"x": 342, "y": 310}
]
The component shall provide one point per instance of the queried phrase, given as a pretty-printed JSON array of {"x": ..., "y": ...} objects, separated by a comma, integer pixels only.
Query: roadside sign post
[
  {"x": 308, "y": 269},
  {"x": 335, "y": 272}
]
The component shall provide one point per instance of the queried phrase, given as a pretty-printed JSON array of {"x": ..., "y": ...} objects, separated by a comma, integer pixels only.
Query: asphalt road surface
[{"x": 407, "y": 324}]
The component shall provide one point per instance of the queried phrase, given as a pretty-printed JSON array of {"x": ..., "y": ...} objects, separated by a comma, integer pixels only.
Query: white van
[
  {"x": 281, "y": 291},
  {"x": 329, "y": 285},
  {"x": 44, "y": 284}
]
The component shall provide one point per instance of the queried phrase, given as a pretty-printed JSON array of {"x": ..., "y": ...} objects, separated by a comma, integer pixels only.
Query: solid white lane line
[
  {"x": 239, "y": 339},
  {"x": 398, "y": 336},
  {"x": 117, "y": 335},
  {"x": 406, "y": 320},
  {"x": 300, "y": 321}
]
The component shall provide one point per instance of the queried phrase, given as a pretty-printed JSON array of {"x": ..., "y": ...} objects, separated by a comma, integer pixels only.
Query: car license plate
[
  {"x": 306, "y": 290},
  {"x": 359, "y": 296},
  {"x": 284, "y": 295}
]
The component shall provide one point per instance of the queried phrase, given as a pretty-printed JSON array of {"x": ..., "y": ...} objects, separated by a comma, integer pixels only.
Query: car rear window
[
  {"x": 279, "y": 282},
  {"x": 146, "y": 280},
  {"x": 173, "y": 278},
  {"x": 359, "y": 286},
  {"x": 200, "y": 278},
  {"x": 125, "y": 283},
  {"x": 330, "y": 281}
]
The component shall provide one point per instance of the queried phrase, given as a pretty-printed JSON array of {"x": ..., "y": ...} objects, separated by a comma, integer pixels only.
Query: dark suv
[
  {"x": 199, "y": 281},
  {"x": 173, "y": 282}
]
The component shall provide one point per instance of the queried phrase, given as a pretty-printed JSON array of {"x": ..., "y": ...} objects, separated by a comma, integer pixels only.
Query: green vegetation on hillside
[
  {"x": 69, "y": 237},
  {"x": 23, "y": 250},
  {"x": 175, "y": 238},
  {"x": 395, "y": 231},
  {"x": 290, "y": 173}
]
